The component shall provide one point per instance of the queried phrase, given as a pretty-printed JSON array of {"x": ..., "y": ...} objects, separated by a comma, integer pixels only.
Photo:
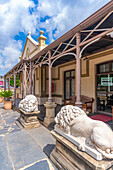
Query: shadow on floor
[{"x": 48, "y": 149}]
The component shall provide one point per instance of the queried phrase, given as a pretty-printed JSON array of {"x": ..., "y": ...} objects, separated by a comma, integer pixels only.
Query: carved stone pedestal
[
  {"x": 50, "y": 113},
  {"x": 66, "y": 156},
  {"x": 29, "y": 119}
]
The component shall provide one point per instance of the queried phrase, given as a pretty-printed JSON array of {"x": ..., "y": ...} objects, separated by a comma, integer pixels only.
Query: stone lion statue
[
  {"x": 74, "y": 121},
  {"x": 29, "y": 104}
]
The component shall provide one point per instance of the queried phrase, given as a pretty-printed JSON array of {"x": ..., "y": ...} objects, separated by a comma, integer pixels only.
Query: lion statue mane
[
  {"x": 29, "y": 104},
  {"x": 73, "y": 121}
]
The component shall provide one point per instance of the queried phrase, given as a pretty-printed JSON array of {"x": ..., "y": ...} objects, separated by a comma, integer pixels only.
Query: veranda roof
[{"x": 95, "y": 27}]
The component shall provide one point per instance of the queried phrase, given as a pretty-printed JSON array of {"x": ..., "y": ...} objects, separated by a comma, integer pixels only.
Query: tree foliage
[{"x": 17, "y": 81}]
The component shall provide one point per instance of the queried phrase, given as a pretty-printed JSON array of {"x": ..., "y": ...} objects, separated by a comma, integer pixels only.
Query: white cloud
[
  {"x": 15, "y": 16},
  {"x": 10, "y": 54},
  {"x": 23, "y": 15},
  {"x": 64, "y": 14}
]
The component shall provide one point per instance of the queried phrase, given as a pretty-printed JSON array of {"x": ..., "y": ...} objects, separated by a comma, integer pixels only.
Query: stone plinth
[
  {"x": 50, "y": 113},
  {"x": 29, "y": 119},
  {"x": 66, "y": 156},
  {"x": 90, "y": 150}
]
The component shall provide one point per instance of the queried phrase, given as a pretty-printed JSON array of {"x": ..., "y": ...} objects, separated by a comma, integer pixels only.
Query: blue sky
[{"x": 55, "y": 17}]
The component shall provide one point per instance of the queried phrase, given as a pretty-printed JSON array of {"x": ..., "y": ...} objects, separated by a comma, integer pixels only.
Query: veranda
[{"x": 84, "y": 53}]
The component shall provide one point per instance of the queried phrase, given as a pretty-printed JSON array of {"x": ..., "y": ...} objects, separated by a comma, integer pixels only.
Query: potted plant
[
  {"x": 1, "y": 98},
  {"x": 7, "y": 103}
]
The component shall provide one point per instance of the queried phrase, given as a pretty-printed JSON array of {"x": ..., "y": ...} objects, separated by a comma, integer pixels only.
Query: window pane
[
  {"x": 112, "y": 67},
  {"x": 100, "y": 84},
  {"x": 106, "y": 67},
  {"x": 72, "y": 73},
  {"x": 67, "y": 89},
  {"x": 73, "y": 87},
  {"x": 101, "y": 68},
  {"x": 67, "y": 74},
  {"x": 111, "y": 87}
]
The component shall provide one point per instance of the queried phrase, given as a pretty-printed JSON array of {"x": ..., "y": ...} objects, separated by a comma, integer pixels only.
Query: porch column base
[
  {"x": 50, "y": 113},
  {"x": 50, "y": 100},
  {"x": 79, "y": 104}
]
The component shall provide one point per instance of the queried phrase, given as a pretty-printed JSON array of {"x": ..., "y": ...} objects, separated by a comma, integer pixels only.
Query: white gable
[{"x": 30, "y": 47}]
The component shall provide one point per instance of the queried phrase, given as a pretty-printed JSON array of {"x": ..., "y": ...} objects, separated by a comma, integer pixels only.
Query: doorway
[
  {"x": 69, "y": 84},
  {"x": 104, "y": 87}
]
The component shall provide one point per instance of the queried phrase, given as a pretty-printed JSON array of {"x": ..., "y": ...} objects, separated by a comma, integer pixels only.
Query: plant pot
[
  {"x": 1, "y": 99},
  {"x": 7, "y": 105}
]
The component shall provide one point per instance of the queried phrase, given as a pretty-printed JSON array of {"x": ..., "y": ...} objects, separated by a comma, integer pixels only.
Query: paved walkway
[{"x": 23, "y": 149}]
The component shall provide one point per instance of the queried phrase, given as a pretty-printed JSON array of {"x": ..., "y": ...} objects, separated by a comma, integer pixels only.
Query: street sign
[
  {"x": 106, "y": 81},
  {"x": 1, "y": 83}
]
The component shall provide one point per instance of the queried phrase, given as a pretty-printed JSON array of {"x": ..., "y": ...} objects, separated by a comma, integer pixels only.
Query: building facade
[{"x": 78, "y": 63}]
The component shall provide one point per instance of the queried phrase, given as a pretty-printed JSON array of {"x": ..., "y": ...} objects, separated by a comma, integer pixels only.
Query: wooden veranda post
[
  {"x": 9, "y": 83},
  {"x": 25, "y": 85},
  {"x": 78, "y": 71},
  {"x": 50, "y": 78},
  {"x": 4, "y": 83},
  {"x": 50, "y": 105},
  {"x": 14, "y": 89},
  {"x": 33, "y": 87},
  {"x": 24, "y": 80},
  {"x": 30, "y": 77}
]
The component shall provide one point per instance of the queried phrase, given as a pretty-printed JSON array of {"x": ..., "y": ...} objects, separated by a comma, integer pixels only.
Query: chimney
[{"x": 41, "y": 40}]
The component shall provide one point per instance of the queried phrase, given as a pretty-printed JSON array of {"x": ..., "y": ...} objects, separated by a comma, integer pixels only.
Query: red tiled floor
[{"x": 101, "y": 117}]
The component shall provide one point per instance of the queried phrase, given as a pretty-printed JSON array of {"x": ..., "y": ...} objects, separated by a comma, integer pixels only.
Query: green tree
[{"x": 17, "y": 81}]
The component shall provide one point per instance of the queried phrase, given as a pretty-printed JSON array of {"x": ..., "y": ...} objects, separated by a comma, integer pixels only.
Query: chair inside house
[{"x": 87, "y": 102}]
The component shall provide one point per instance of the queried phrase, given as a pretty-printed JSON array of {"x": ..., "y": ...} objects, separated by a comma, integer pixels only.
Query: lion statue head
[
  {"x": 29, "y": 104},
  {"x": 65, "y": 118}
]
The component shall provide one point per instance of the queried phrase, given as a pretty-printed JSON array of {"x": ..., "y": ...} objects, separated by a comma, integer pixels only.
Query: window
[
  {"x": 111, "y": 66},
  {"x": 69, "y": 84},
  {"x": 105, "y": 68}
]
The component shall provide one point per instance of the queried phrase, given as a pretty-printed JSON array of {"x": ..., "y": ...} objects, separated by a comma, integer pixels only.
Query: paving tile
[
  {"x": 5, "y": 162},
  {"x": 42, "y": 136},
  {"x": 25, "y": 146},
  {"x": 23, "y": 149},
  {"x": 0, "y": 118},
  {"x": 42, "y": 165},
  {"x": 15, "y": 130},
  {"x": 33, "y": 156}
]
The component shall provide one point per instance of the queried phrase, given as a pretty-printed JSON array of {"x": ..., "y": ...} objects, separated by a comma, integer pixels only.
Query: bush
[
  {"x": 1, "y": 92},
  {"x": 6, "y": 94}
]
